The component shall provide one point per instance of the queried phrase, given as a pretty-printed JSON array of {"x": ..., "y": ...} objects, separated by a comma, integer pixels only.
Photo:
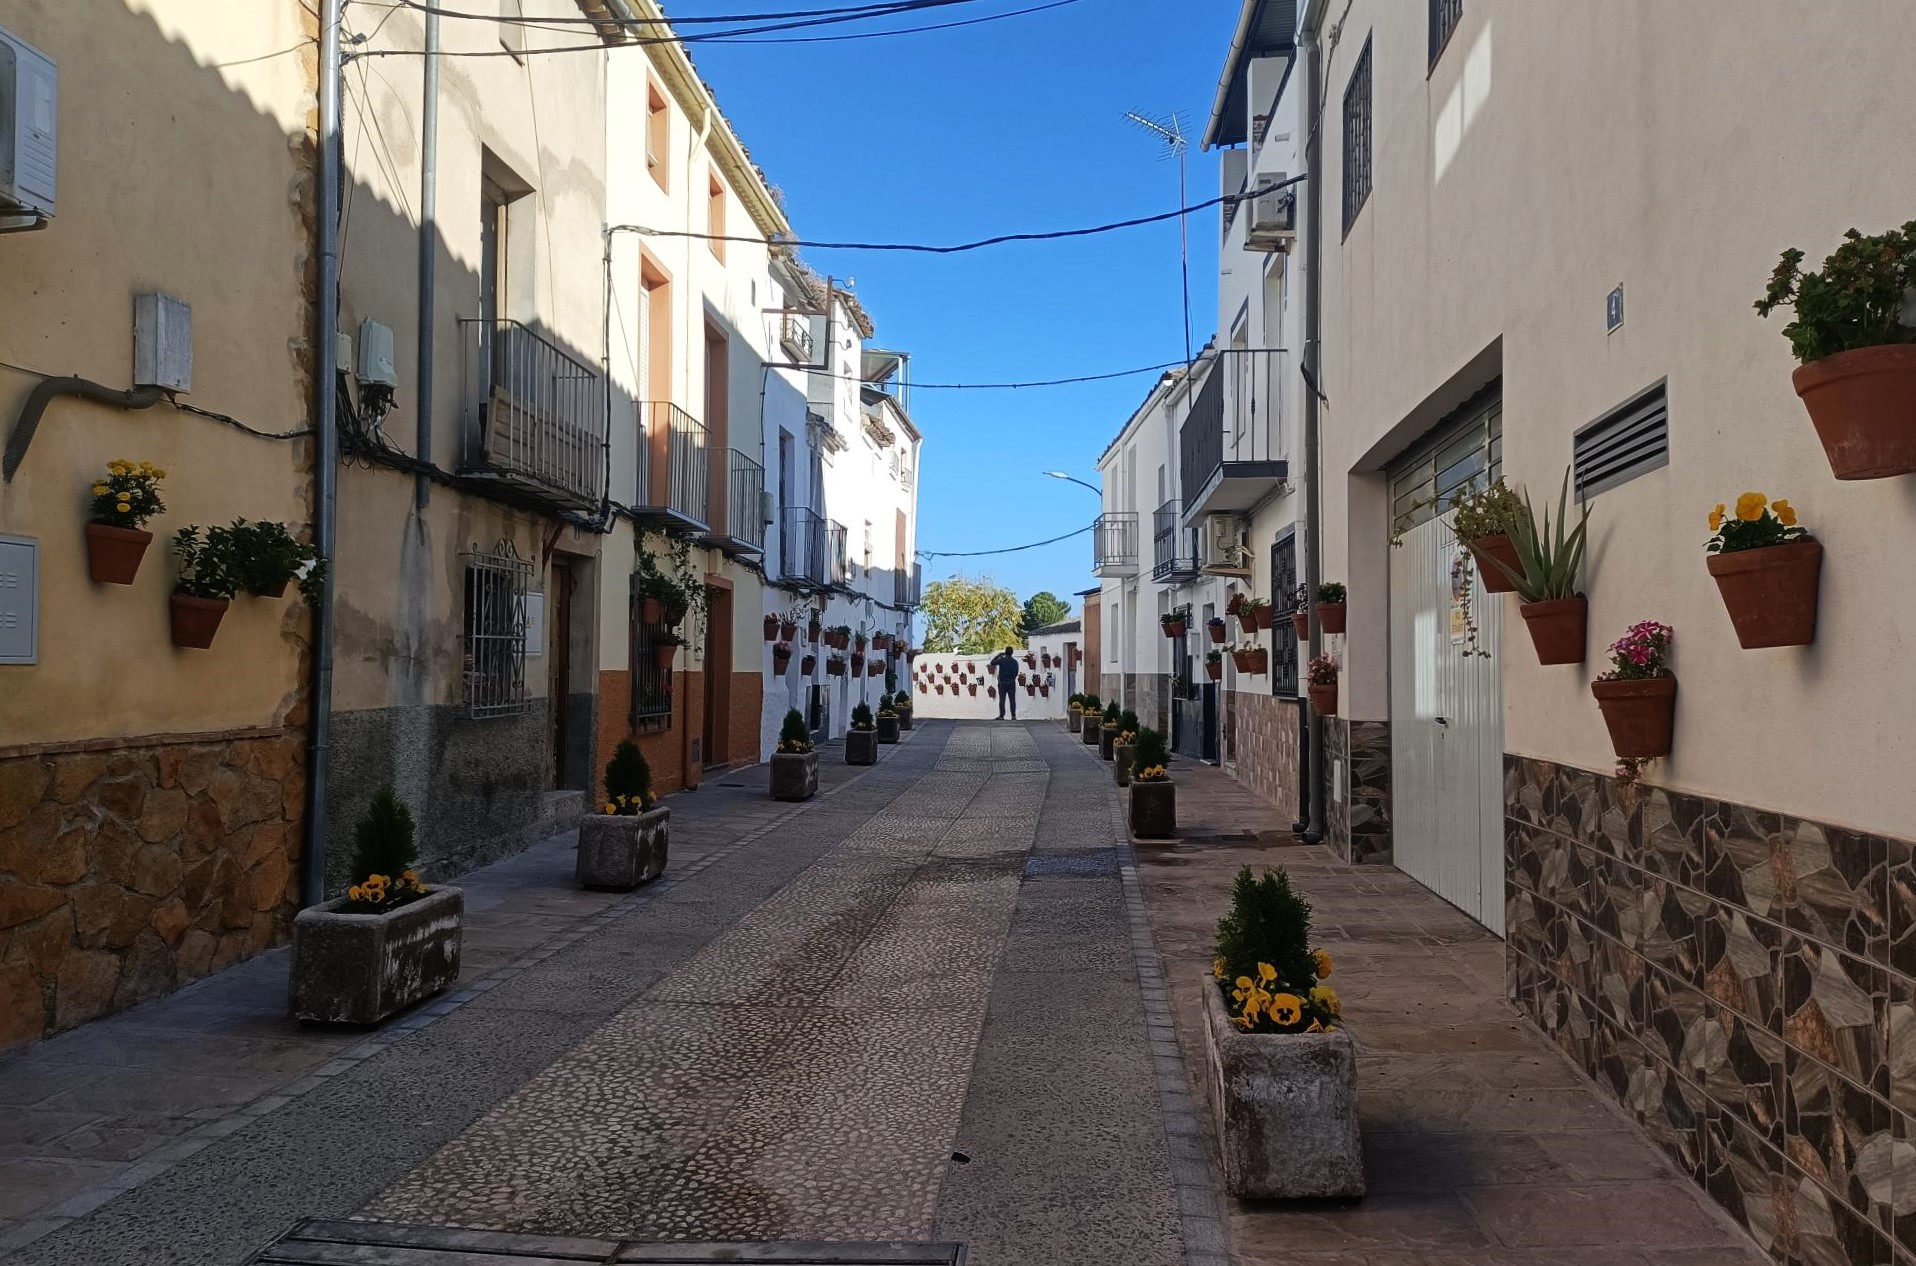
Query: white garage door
[{"x": 1446, "y": 681}]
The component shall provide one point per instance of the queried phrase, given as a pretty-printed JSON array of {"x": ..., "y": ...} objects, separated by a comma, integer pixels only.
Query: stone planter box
[
  {"x": 361, "y": 968},
  {"x": 1089, "y": 733},
  {"x": 861, "y": 748},
  {"x": 1154, "y": 809},
  {"x": 887, "y": 729},
  {"x": 795, "y": 774},
  {"x": 1121, "y": 754},
  {"x": 1285, "y": 1108},
  {"x": 1107, "y": 739},
  {"x": 1076, "y": 721},
  {"x": 620, "y": 853},
  {"x": 904, "y": 717}
]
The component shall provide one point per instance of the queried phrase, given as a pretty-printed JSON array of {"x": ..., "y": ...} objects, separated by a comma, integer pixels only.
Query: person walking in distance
[{"x": 1006, "y": 666}]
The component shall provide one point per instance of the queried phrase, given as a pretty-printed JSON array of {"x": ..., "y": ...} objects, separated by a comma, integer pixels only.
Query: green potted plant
[
  {"x": 116, "y": 535},
  {"x": 1284, "y": 1067},
  {"x": 1153, "y": 796},
  {"x": 1254, "y": 614},
  {"x": 390, "y": 942},
  {"x": 1320, "y": 682},
  {"x": 1551, "y": 559},
  {"x": 781, "y": 658},
  {"x": 1172, "y": 624},
  {"x": 1855, "y": 334},
  {"x": 205, "y": 585},
  {"x": 1123, "y": 748},
  {"x": 813, "y": 628},
  {"x": 1483, "y": 523},
  {"x": 625, "y": 845},
  {"x": 795, "y": 763},
  {"x": 665, "y": 650},
  {"x": 1093, "y": 720},
  {"x": 1074, "y": 713},
  {"x": 1301, "y": 612},
  {"x": 1108, "y": 730},
  {"x": 835, "y": 667},
  {"x": 901, "y": 704},
  {"x": 861, "y": 740},
  {"x": 1214, "y": 664},
  {"x": 1638, "y": 697},
  {"x": 268, "y": 557},
  {"x": 1766, "y": 569},
  {"x": 887, "y": 719},
  {"x": 1330, "y": 607},
  {"x": 1215, "y": 630}
]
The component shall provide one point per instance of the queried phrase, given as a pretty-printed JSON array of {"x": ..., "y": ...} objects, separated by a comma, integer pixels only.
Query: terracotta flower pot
[
  {"x": 1242, "y": 659},
  {"x": 663, "y": 654},
  {"x": 858, "y": 661},
  {"x": 1214, "y": 670},
  {"x": 924, "y": 689},
  {"x": 1330, "y": 616},
  {"x": 787, "y": 630},
  {"x": 1324, "y": 700},
  {"x": 807, "y": 664},
  {"x": 1259, "y": 662},
  {"x": 1215, "y": 628},
  {"x": 1044, "y": 692},
  {"x": 972, "y": 688},
  {"x": 1235, "y": 605},
  {"x": 113, "y": 554},
  {"x": 1174, "y": 629},
  {"x": 781, "y": 660},
  {"x": 1641, "y": 715},
  {"x": 1863, "y": 405},
  {"x": 1266, "y": 617},
  {"x": 651, "y": 611},
  {"x": 991, "y": 692},
  {"x": 1557, "y": 628},
  {"x": 771, "y": 628},
  {"x": 1771, "y": 593},
  {"x": 1031, "y": 690},
  {"x": 1501, "y": 549},
  {"x": 1301, "y": 621},
  {"x": 196, "y": 620}
]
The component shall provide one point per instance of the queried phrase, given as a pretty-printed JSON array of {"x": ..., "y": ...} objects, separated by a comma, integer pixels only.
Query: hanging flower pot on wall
[
  {"x": 1491, "y": 550},
  {"x": 972, "y": 688},
  {"x": 771, "y": 628},
  {"x": 116, "y": 535},
  {"x": 1330, "y": 616},
  {"x": 1766, "y": 569},
  {"x": 1258, "y": 661},
  {"x": 991, "y": 692},
  {"x": 1324, "y": 700},
  {"x": 1640, "y": 715},
  {"x": 807, "y": 665},
  {"x": 651, "y": 611},
  {"x": 1321, "y": 684},
  {"x": 1214, "y": 629},
  {"x": 664, "y": 652},
  {"x": 113, "y": 554},
  {"x": 858, "y": 662},
  {"x": 781, "y": 658},
  {"x": 835, "y": 666},
  {"x": 1214, "y": 666},
  {"x": 1557, "y": 628},
  {"x": 196, "y": 620},
  {"x": 1173, "y": 626},
  {"x": 812, "y": 630},
  {"x": 787, "y": 630},
  {"x": 1301, "y": 622}
]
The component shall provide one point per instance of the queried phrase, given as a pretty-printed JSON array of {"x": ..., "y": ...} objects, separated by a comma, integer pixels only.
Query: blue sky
[{"x": 1003, "y": 127}]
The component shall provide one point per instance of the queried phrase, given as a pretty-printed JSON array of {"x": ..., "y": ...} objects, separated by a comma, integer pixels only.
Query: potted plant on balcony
[
  {"x": 861, "y": 740},
  {"x": 1638, "y": 697},
  {"x": 205, "y": 585},
  {"x": 1766, "y": 568},
  {"x": 1330, "y": 607},
  {"x": 665, "y": 650},
  {"x": 795, "y": 762},
  {"x": 781, "y": 658},
  {"x": 1093, "y": 719},
  {"x": 1214, "y": 664},
  {"x": 1855, "y": 334},
  {"x": 1483, "y": 524},
  {"x": 116, "y": 535},
  {"x": 1282, "y": 1068},
  {"x": 1123, "y": 748},
  {"x": 626, "y": 844},
  {"x": 1172, "y": 624},
  {"x": 1321, "y": 684},
  {"x": 1546, "y": 583},
  {"x": 1215, "y": 630},
  {"x": 888, "y": 726},
  {"x": 1108, "y": 730},
  {"x": 1301, "y": 612},
  {"x": 1154, "y": 797},
  {"x": 389, "y": 942}
]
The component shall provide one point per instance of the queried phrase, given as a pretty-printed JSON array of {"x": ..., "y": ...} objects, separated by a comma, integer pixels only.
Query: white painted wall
[{"x": 957, "y": 673}]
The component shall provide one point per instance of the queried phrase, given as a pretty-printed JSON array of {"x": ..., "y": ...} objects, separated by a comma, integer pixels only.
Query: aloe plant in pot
[{"x": 1553, "y": 609}]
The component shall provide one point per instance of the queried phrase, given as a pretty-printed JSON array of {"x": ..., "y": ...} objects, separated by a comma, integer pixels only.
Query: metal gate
[{"x": 1446, "y": 678}]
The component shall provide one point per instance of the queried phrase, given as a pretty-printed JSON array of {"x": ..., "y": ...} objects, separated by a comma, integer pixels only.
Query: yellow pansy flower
[
  {"x": 1716, "y": 517},
  {"x": 1323, "y": 961},
  {"x": 1286, "y": 1008},
  {"x": 1784, "y": 511},
  {"x": 1325, "y": 998},
  {"x": 612, "y": 809},
  {"x": 410, "y": 877},
  {"x": 1217, "y": 967},
  {"x": 1749, "y": 506},
  {"x": 1266, "y": 973},
  {"x": 1243, "y": 982}
]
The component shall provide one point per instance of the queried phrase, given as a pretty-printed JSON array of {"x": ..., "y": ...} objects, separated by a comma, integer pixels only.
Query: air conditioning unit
[
  {"x": 1226, "y": 554},
  {"x": 1273, "y": 225},
  {"x": 29, "y": 100}
]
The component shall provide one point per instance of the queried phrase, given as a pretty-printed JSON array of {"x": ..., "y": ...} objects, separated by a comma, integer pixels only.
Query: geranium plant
[
  {"x": 1757, "y": 523},
  {"x": 128, "y": 496},
  {"x": 1860, "y": 299},
  {"x": 1642, "y": 651},
  {"x": 1322, "y": 671},
  {"x": 1263, "y": 961},
  {"x": 383, "y": 858}
]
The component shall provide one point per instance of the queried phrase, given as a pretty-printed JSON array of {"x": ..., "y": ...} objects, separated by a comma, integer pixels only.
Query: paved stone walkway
[{"x": 908, "y": 1009}]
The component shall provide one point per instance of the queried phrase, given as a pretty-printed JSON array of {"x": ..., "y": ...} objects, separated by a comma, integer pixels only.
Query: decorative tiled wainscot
[
  {"x": 1741, "y": 981},
  {"x": 1357, "y": 756}
]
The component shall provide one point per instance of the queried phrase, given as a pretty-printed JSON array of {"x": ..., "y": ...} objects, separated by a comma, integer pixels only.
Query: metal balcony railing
[
  {"x": 802, "y": 547},
  {"x": 835, "y": 550},
  {"x": 1114, "y": 544},
  {"x": 745, "y": 509},
  {"x": 1174, "y": 547},
  {"x": 795, "y": 332},
  {"x": 1229, "y": 443},
  {"x": 1201, "y": 438},
  {"x": 673, "y": 483},
  {"x": 534, "y": 418}
]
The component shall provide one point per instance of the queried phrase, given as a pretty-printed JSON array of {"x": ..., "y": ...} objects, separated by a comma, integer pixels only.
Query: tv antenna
[{"x": 1169, "y": 131}]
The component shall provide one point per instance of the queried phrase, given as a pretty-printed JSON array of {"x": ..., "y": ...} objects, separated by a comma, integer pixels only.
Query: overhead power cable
[
  {"x": 1009, "y": 549},
  {"x": 880, "y": 9}
]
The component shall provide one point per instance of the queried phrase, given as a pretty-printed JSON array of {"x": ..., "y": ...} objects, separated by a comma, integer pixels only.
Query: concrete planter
[
  {"x": 904, "y": 717},
  {"x": 861, "y": 748},
  {"x": 1285, "y": 1108},
  {"x": 361, "y": 968},
  {"x": 1154, "y": 809},
  {"x": 1075, "y": 720},
  {"x": 622, "y": 852},
  {"x": 1121, "y": 754},
  {"x": 887, "y": 729},
  {"x": 1090, "y": 731},
  {"x": 1107, "y": 739},
  {"x": 795, "y": 774}
]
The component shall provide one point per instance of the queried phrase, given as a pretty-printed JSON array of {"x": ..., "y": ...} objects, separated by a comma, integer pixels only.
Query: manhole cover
[
  {"x": 1073, "y": 864},
  {"x": 321, "y": 1242}
]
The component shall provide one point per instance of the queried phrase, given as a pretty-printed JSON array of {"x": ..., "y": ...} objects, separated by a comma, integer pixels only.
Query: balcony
[
  {"x": 1114, "y": 544},
  {"x": 802, "y": 548},
  {"x": 744, "y": 513},
  {"x": 1174, "y": 547},
  {"x": 674, "y": 491},
  {"x": 534, "y": 418},
  {"x": 795, "y": 335},
  {"x": 1229, "y": 473}
]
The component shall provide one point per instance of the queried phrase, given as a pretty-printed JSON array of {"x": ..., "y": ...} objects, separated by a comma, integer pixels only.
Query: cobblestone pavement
[{"x": 920, "y": 1006}]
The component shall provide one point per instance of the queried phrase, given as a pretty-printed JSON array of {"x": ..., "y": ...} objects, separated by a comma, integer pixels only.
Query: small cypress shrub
[
  {"x": 1264, "y": 962},
  {"x": 1149, "y": 751},
  {"x": 1127, "y": 722},
  {"x": 383, "y": 840},
  {"x": 793, "y": 736},
  {"x": 862, "y": 717},
  {"x": 1111, "y": 713},
  {"x": 628, "y": 780}
]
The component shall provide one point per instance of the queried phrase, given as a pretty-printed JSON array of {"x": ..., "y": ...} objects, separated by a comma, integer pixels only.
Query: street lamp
[{"x": 1059, "y": 474}]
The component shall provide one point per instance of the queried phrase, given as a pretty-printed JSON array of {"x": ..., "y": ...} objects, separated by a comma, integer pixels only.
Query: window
[
  {"x": 715, "y": 217},
  {"x": 651, "y": 685},
  {"x": 512, "y": 30},
  {"x": 1444, "y": 16},
  {"x": 658, "y": 136},
  {"x": 1357, "y": 139},
  {"x": 1283, "y": 630},
  {"x": 1632, "y": 439},
  {"x": 495, "y": 632}
]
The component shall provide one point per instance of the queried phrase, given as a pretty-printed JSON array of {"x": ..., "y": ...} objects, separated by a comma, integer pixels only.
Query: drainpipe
[
  {"x": 1316, "y": 792},
  {"x": 326, "y": 456},
  {"x": 428, "y": 251}
]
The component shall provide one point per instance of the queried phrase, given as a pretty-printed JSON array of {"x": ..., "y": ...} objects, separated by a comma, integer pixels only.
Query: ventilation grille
[{"x": 1629, "y": 441}]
